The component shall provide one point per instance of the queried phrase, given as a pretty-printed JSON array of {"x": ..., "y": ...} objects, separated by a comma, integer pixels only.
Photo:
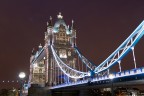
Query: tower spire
[
  {"x": 59, "y": 16},
  {"x": 49, "y": 23},
  {"x": 73, "y": 31},
  {"x": 72, "y": 27},
  {"x": 40, "y": 47},
  {"x": 33, "y": 51}
]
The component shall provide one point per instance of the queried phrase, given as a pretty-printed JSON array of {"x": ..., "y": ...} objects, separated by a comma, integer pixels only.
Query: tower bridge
[{"x": 59, "y": 64}]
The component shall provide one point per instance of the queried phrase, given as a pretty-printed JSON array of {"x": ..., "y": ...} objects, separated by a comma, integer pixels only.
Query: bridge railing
[{"x": 129, "y": 72}]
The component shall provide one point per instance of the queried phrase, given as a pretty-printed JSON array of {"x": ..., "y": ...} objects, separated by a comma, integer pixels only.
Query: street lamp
[
  {"x": 111, "y": 77},
  {"x": 22, "y": 75}
]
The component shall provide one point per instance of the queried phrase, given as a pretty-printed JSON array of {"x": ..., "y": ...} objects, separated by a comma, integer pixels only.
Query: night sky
[{"x": 101, "y": 27}]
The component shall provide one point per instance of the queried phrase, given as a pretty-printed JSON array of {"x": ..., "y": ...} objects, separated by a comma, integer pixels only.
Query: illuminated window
[
  {"x": 35, "y": 71},
  {"x": 40, "y": 70},
  {"x": 62, "y": 53},
  {"x": 69, "y": 53}
]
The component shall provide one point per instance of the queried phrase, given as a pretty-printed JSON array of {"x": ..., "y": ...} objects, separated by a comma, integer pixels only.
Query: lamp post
[
  {"x": 111, "y": 77},
  {"x": 22, "y": 75}
]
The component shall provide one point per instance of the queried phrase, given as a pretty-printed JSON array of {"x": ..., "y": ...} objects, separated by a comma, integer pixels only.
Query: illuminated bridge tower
[
  {"x": 37, "y": 67},
  {"x": 43, "y": 67},
  {"x": 63, "y": 40}
]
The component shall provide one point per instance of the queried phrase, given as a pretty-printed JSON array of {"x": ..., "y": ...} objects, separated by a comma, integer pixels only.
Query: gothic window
[
  {"x": 69, "y": 53},
  {"x": 35, "y": 71},
  {"x": 35, "y": 76},
  {"x": 40, "y": 70},
  {"x": 41, "y": 64},
  {"x": 70, "y": 63},
  {"x": 61, "y": 34},
  {"x": 40, "y": 78},
  {"x": 62, "y": 53},
  {"x": 74, "y": 61}
]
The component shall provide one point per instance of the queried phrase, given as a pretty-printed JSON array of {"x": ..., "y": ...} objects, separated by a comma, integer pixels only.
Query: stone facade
[{"x": 43, "y": 67}]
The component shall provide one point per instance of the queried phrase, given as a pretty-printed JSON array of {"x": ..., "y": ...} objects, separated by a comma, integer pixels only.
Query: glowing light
[
  {"x": 63, "y": 54},
  {"x": 59, "y": 16},
  {"x": 35, "y": 65},
  {"x": 89, "y": 74},
  {"x": 22, "y": 75},
  {"x": 111, "y": 76},
  {"x": 132, "y": 48}
]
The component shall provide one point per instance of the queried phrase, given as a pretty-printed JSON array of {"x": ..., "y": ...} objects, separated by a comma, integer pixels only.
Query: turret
[
  {"x": 49, "y": 33},
  {"x": 33, "y": 52},
  {"x": 32, "y": 55},
  {"x": 40, "y": 47},
  {"x": 73, "y": 31},
  {"x": 49, "y": 24}
]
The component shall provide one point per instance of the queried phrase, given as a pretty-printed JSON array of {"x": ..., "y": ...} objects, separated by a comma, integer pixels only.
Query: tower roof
[{"x": 59, "y": 22}]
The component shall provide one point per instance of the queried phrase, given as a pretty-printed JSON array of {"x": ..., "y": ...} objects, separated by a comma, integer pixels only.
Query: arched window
[{"x": 40, "y": 70}]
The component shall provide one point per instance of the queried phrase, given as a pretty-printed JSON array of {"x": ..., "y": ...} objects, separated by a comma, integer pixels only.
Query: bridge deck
[{"x": 129, "y": 77}]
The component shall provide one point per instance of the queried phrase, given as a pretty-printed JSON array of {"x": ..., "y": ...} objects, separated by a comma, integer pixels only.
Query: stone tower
[{"x": 63, "y": 39}]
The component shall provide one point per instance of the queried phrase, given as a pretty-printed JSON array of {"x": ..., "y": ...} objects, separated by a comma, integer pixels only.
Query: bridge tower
[
  {"x": 63, "y": 39},
  {"x": 43, "y": 67},
  {"x": 37, "y": 68}
]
